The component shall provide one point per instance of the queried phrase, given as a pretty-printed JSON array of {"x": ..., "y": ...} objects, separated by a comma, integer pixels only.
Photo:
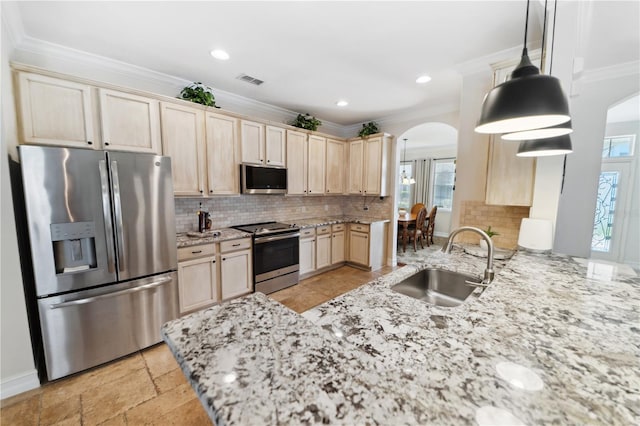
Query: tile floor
[{"x": 148, "y": 387}]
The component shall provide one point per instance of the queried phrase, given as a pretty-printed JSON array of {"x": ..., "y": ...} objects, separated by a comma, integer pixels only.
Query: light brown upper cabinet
[
  {"x": 510, "y": 178},
  {"x": 55, "y": 112},
  {"x": 183, "y": 140},
  {"x": 296, "y": 163},
  {"x": 261, "y": 144},
  {"x": 222, "y": 146},
  {"x": 335, "y": 167},
  {"x": 316, "y": 164},
  {"x": 129, "y": 122},
  {"x": 368, "y": 165},
  {"x": 305, "y": 163}
]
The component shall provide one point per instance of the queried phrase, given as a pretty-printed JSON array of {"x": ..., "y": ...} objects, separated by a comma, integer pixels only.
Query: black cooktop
[{"x": 267, "y": 228}]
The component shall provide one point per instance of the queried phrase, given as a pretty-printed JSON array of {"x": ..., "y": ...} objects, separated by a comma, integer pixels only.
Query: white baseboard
[{"x": 20, "y": 383}]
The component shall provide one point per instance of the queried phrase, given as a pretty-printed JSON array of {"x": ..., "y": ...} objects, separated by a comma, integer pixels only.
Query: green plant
[
  {"x": 490, "y": 233},
  {"x": 368, "y": 129},
  {"x": 199, "y": 93},
  {"x": 306, "y": 122}
]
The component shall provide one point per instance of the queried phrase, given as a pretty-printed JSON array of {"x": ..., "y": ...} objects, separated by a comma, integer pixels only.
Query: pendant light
[
  {"x": 404, "y": 180},
  {"x": 548, "y": 146},
  {"x": 529, "y": 100},
  {"x": 559, "y": 145},
  {"x": 544, "y": 132}
]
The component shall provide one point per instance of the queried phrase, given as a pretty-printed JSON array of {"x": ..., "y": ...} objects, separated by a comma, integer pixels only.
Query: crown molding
[
  {"x": 484, "y": 63},
  {"x": 43, "y": 54},
  {"x": 412, "y": 115},
  {"x": 624, "y": 69}
]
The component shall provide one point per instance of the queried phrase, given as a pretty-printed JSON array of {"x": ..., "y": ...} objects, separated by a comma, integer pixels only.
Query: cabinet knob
[
  {"x": 89, "y": 143},
  {"x": 106, "y": 143},
  {"x": 224, "y": 258},
  {"x": 213, "y": 261},
  {"x": 202, "y": 191},
  {"x": 327, "y": 190},
  {"x": 211, "y": 191}
]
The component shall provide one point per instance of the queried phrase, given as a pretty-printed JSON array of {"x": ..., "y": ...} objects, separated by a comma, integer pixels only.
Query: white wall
[
  {"x": 17, "y": 371},
  {"x": 574, "y": 226},
  {"x": 631, "y": 250}
]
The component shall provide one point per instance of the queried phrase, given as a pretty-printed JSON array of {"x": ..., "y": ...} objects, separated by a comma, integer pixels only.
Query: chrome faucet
[{"x": 488, "y": 273}]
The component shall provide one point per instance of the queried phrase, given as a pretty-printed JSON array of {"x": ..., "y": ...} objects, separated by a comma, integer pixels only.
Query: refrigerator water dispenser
[{"x": 74, "y": 247}]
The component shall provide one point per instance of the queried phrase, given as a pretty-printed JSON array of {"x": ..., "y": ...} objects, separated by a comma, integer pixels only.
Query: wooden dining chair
[
  {"x": 429, "y": 226},
  {"x": 416, "y": 208},
  {"x": 415, "y": 232}
]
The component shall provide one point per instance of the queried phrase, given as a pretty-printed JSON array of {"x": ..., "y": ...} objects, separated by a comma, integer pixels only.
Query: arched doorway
[{"x": 429, "y": 159}]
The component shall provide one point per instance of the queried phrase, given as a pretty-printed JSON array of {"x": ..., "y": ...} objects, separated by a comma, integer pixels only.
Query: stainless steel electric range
[{"x": 276, "y": 255}]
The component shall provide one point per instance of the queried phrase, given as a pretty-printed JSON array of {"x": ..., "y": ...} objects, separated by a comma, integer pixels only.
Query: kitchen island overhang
[{"x": 376, "y": 356}]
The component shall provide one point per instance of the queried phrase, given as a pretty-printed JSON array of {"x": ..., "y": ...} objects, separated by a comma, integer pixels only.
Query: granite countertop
[
  {"x": 321, "y": 221},
  {"x": 548, "y": 342},
  {"x": 209, "y": 237}
]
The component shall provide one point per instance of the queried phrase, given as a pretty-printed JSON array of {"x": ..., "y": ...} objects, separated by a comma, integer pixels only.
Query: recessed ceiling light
[
  {"x": 342, "y": 103},
  {"x": 220, "y": 54},
  {"x": 423, "y": 79}
]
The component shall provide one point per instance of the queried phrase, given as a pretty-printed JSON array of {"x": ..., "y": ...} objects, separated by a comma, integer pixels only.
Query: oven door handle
[{"x": 262, "y": 240}]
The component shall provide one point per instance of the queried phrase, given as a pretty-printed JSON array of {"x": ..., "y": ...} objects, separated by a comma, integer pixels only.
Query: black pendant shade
[
  {"x": 542, "y": 133},
  {"x": 545, "y": 147},
  {"x": 523, "y": 103}
]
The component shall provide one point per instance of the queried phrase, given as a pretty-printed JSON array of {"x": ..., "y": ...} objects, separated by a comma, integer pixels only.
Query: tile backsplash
[
  {"x": 503, "y": 219},
  {"x": 243, "y": 209}
]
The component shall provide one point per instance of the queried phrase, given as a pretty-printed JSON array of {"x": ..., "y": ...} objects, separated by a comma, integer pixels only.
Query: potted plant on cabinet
[
  {"x": 306, "y": 121},
  {"x": 369, "y": 128},
  {"x": 200, "y": 94},
  {"x": 490, "y": 233}
]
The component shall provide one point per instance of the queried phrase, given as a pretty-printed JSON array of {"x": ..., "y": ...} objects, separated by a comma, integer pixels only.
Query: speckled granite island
[{"x": 549, "y": 342}]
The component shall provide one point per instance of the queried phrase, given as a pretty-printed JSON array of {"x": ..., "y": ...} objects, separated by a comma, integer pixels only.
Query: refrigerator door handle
[
  {"x": 115, "y": 293},
  {"x": 117, "y": 207},
  {"x": 106, "y": 211}
]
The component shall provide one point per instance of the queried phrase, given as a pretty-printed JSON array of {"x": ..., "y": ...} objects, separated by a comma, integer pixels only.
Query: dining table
[{"x": 405, "y": 220}]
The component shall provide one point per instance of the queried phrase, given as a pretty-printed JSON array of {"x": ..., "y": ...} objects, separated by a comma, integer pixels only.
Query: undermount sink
[{"x": 438, "y": 287}]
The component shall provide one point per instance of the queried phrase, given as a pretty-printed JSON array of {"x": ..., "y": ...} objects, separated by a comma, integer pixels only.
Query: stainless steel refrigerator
[{"x": 102, "y": 244}]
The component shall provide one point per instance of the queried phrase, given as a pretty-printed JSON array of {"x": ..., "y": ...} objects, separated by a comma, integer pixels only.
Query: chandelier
[{"x": 404, "y": 179}]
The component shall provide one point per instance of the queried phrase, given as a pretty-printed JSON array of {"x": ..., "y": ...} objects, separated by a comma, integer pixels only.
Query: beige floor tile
[
  {"x": 119, "y": 420},
  {"x": 65, "y": 410},
  {"x": 189, "y": 414},
  {"x": 157, "y": 408},
  {"x": 75, "y": 420},
  {"x": 58, "y": 391},
  {"x": 159, "y": 360},
  {"x": 170, "y": 380},
  {"x": 107, "y": 401},
  {"x": 25, "y": 412}
]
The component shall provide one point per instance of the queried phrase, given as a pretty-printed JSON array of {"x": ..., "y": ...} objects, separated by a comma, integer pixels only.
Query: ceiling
[
  {"x": 309, "y": 54},
  {"x": 627, "y": 110}
]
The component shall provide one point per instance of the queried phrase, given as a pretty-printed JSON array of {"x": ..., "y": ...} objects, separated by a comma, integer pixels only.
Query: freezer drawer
[{"x": 84, "y": 329}]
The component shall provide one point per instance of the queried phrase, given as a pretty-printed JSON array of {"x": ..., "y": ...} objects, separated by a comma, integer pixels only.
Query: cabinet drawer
[
  {"x": 233, "y": 245},
  {"x": 359, "y": 227},
  {"x": 194, "y": 252},
  {"x": 321, "y": 230},
  {"x": 338, "y": 227},
  {"x": 308, "y": 232}
]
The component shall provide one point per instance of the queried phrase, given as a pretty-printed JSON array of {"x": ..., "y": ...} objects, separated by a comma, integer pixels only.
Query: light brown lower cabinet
[{"x": 210, "y": 273}]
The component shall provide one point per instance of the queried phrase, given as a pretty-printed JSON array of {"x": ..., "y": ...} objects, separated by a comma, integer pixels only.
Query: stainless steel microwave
[{"x": 262, "y": 180}]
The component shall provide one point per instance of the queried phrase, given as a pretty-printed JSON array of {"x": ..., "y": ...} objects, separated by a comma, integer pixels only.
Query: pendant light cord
[
  {"x": 526, "y": 27},
  {"x": 553, "y": 34},
  {"x": 544, "y": 35}
]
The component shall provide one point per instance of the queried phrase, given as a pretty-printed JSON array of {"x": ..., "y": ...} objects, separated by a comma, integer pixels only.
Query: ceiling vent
[{"x": 250, "y": 79}]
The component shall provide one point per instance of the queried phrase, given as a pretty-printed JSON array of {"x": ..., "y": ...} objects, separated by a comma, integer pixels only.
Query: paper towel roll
[{"x": 536, "y": 235}]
